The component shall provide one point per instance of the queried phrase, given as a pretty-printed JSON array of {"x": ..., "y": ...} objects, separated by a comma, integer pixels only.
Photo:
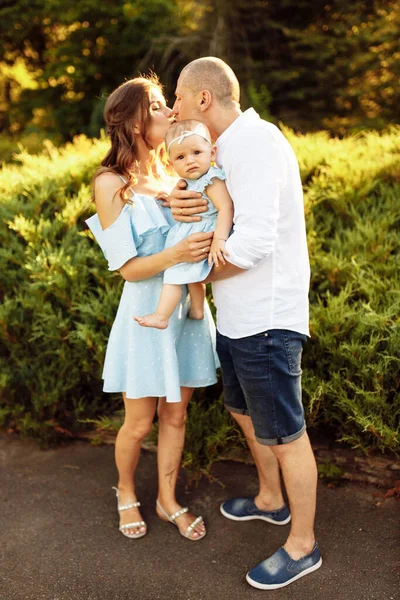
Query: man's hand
[{"x": 185, "y": 203}]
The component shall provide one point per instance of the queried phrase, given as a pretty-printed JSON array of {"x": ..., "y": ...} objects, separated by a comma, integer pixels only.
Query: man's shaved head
[{"x": 212, "y": 74}]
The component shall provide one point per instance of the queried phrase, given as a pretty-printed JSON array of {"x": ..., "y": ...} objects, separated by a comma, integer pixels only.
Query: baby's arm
[{"x": 222, "y": 201}]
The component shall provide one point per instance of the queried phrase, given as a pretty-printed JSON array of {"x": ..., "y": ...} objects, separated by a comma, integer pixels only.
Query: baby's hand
[
  {"x": 164, "y": 197},
  {"x": 217, "y": 252}
]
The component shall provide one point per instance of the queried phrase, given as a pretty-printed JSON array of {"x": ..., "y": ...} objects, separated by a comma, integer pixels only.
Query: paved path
[{"x": 59, "y": 537}]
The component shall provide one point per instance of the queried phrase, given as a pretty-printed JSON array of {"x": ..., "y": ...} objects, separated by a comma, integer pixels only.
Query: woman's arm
[
  {"x": 108, "y": 202},
  {"x": 222, "y": 201},
  {"x": 194, "y": 248},
  {"x": 109, "y": 205}
]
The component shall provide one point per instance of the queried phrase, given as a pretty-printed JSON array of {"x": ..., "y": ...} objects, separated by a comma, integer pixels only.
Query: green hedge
[{"x": 59, "y": 300}]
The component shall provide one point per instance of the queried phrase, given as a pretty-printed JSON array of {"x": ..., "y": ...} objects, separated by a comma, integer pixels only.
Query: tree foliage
[{"x": 309, "y": 63}]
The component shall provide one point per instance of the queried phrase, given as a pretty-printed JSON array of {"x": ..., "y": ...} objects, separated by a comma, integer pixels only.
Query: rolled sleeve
[{"x": 255, "y": 181}]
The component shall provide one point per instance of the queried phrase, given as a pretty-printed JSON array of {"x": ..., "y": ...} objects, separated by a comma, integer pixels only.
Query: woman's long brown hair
[{"x": 128, "y": 104}]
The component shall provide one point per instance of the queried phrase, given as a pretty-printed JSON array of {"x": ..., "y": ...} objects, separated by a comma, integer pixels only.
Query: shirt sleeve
[{"x": 256, "y": 177}]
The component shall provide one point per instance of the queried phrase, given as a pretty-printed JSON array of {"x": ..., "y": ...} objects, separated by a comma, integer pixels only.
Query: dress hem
[{"x": 192, "y": 384}]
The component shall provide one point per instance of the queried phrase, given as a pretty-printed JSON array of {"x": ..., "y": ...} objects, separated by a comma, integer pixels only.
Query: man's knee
[
  {"x": 246, "y": 424},
  {"x": 239, "y": 416},
  {"x": 297, "y": 446}
]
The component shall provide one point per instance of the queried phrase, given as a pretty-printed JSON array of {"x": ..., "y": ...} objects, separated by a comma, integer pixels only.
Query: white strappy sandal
[
  {"x": 123, "y": 528},
  {"x": 178, "y": 513}
]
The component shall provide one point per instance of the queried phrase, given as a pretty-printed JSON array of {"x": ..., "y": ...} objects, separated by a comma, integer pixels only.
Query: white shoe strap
[
  {"x": 135, "y": 524},
  {"x": 178, "y": 513},
  {"x": 193, "y": 525},
  {"x": 128, "y": 506}
]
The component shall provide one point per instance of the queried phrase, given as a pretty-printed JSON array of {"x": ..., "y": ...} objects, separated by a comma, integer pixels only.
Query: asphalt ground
[{"x": 59, "y": 537}]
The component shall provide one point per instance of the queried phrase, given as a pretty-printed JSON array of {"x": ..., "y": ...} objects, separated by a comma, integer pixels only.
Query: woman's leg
[
  {"x": 197, "y": 293},
  {"x": 171, "y": 437},
  {"x": 169, "y": 300},
  {"x": 139, "y": 414}
]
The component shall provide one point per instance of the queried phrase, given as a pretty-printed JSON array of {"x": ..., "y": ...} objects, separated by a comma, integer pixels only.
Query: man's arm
[
  {"x": 257, "y": 173},
  {"x": 222, "y": 272}
]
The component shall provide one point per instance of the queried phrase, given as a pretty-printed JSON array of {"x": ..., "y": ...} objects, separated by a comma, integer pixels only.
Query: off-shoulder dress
[{"x": 144, "y": 361}]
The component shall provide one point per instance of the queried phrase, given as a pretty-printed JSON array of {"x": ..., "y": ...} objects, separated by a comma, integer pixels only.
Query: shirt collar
[{"x": 248, "y": 116}]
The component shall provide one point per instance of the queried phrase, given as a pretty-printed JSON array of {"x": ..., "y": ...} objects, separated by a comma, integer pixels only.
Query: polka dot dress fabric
[{"x": 143, "y": 361}]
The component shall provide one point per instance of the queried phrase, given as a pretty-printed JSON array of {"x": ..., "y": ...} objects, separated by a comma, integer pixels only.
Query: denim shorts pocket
[{"x": 294, "y": 349}]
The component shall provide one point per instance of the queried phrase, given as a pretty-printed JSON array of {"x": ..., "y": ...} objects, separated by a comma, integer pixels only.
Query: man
[{"x": 261, "y": 295}]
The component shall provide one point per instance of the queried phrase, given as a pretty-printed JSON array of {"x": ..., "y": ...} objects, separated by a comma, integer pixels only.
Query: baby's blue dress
[
  {"x": 192, "y": 272},
  {"x": 143, "y": 361}
]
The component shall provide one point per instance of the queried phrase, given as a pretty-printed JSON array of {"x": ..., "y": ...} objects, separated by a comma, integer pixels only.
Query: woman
[{"x": 152, "y": 368}]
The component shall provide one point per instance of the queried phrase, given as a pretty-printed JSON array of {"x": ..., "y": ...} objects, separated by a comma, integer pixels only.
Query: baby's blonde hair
[{"x": 178, "y": 128}]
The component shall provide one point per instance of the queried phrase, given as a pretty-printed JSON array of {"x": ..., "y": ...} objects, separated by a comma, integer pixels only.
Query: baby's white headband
[{"x": 198, "y": 130}]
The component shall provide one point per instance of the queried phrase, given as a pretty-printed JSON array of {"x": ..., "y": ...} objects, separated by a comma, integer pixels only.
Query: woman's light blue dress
[
  {"x": 193, "y": 272},
  {"x": 143, "y": 361}
]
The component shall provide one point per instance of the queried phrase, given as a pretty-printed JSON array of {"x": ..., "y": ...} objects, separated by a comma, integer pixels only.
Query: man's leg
[
  {"x": 299, "y": 472},
  {"x": 270, "y": 493},
  {"x": 268, "y": 370},
  {"x": 300, "y": 554}
]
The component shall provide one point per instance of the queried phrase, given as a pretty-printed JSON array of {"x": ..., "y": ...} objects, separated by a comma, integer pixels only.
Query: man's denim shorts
[{"x": 262, "y": 378}]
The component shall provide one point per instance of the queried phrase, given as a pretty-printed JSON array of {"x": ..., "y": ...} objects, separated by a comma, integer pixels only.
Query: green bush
[
  {"x": 58, "y": 297},
  {"x": 351, "y": 363},
  {"x": 59, "y": 300},
  {"x": 34, "y": 143}
]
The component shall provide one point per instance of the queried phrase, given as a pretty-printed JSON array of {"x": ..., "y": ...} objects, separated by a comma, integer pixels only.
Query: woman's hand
[
  {"x": 194, "y": 248},
  {"x": 185, "y": 203}
]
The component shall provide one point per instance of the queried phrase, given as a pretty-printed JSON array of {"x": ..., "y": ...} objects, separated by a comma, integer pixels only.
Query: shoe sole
[
  {"x": 254, "y": 517},
  {"x": 192, "y": 539},
  {"x": 276, "y": 586}
]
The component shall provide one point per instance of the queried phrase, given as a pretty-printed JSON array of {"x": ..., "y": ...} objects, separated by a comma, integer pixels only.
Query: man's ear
[{"x": 205, "y": 100}]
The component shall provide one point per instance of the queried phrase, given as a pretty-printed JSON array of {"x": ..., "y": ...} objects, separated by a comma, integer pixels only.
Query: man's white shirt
[{"x": 269, "y": 235}]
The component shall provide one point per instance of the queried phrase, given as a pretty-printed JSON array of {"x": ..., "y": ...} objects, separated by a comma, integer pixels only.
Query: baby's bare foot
[{"x": 153, "y": 320}]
